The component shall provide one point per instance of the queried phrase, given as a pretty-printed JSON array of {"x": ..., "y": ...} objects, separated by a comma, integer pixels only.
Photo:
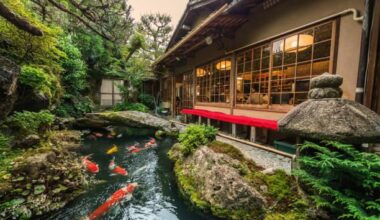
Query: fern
[{"x": 341, "y": 179}]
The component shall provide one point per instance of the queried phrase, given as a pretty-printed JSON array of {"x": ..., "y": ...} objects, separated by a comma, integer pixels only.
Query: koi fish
[
  {"x": 90, "y": 166},
  {"x": 97, "y": 134},
  {"x": 136, "y": 150},
  {"x": 132, "y": 147},
  {"x": 116, "y": 169},
  {"x": 113, "y": 133},
  {"x": 151, "y": 144},
  {"x": 120, "y": 136},
  {"x": 125, "y": 192},
  {"x": 112, "y": 150},
  {"x": 109, "y": 136}
]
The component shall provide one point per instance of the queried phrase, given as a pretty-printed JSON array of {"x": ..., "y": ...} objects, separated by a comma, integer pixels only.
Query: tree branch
[
  {"x": 64, "y": 9},
  {"x": 18, "y": 21}
]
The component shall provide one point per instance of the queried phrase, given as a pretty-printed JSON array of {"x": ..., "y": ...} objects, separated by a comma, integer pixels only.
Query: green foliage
[
  {"x": 4, "y": 142},
  {"x": 26, "y": 122},
  {"x": 342, "y": 179},
  {"x": 39, "y": 80},
  {"x": 25, "y": 48},
  {"x": 74, "y": 106},
  {"x": 147, "y": 100},
  {"x": 195, "y": 136},
  {"x": 74, "y": 75},
  {"x": 74, "y": 81},
  {"x": 125, "y": 106}
]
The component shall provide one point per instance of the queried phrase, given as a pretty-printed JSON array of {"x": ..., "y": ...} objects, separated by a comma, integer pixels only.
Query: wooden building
[{"x": 241, "y": 65}]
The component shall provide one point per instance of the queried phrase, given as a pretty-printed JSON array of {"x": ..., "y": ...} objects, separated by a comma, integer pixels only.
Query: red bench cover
[{"x": 235, "y": 119}]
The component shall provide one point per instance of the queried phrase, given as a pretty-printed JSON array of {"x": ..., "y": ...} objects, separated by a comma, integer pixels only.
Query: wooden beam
[{"x": 194, "y": 32}]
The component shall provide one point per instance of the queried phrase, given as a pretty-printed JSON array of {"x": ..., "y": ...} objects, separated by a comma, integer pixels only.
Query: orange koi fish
[
  {"x": 116, "y": 169},
  {"x": 125, "y": 192},
  {"x": 90, "y": 166}
]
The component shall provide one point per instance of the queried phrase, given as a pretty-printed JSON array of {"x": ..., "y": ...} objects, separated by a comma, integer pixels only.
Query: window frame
[
  {"x": 210, "y": 79},
  {"x": 113, "y": 93},
  {"x": 286, "y": 107}
]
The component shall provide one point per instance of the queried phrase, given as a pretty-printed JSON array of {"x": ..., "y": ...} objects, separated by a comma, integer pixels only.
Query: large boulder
[
  {"x": 9, "y": 72},
  {"x": 212, "y": 181},
  {"x": 125, "y": 118}
]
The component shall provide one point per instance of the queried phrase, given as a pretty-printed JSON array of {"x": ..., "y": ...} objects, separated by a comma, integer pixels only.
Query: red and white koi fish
[
  {"x": 116, "y": 169},
  {"x": 125, "y": 192},
  {"x": 97, "y": 134},
  {"x": 110, "y": 136},
  {"x": 90, "y": 166},
  {"x": 151, "y": 144}
]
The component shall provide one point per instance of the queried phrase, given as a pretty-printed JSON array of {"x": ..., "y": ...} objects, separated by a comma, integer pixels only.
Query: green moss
[
  {"x": 40, "y": 80},
  {"x": 24, "y": 123}
]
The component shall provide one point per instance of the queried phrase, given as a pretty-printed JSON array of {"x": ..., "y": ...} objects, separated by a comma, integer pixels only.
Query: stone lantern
[{"x": 326, "y": 116}]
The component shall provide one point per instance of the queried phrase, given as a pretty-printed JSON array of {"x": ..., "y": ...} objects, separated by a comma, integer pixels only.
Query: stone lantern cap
[{"x": 326, "y": 116}]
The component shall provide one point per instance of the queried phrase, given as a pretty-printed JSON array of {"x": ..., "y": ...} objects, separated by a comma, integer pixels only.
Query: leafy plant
[
  {"x": 341, "y": 179},
  {"x": 147, "y": 100},
  {"x": 125, "y": 106},
  {"x": 38, "y": 79},
  {"x": 27, "y": 122},
  {"x": 195, "y": 136}
]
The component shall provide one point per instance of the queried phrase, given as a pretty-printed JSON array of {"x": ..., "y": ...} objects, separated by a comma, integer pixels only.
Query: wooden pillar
[
  {"x": 208, "y": 122},
  {"x": 253, "y": 134},
  {"x": 199, "y": 120},
  {"x": 233, "y": 84},
  {"x": 233, "y": 130}
]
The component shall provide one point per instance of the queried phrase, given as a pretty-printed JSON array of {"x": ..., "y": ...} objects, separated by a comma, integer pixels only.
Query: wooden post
[
  {"x": 233, "y": 130},
  {"x": 253, "y": 134},
  {"x": 199, "y": 120},
  {"x": 208, "y": 122}
]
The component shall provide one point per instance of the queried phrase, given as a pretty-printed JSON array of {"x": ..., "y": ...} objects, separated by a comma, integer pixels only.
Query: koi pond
[{"x": 157, "y": 196}]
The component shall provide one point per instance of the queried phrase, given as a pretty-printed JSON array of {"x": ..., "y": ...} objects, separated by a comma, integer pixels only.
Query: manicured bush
[
  {"x": 195, "y": 136},
  {"x": 341, "y": 179},
  {"x": 124, "y": 106},
  {"x": 26, "y": 122}
]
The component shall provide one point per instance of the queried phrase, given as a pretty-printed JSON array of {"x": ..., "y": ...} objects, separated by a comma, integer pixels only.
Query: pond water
[{"x": 157, "y": 196}]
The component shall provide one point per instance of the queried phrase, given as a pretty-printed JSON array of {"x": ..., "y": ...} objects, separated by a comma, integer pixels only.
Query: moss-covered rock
[
  {"x": 217, "y": 179},
  {"x": 133, "y": 119}
]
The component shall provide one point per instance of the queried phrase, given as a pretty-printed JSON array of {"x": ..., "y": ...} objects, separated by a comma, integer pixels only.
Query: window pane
[
  {"x": 322, "y": 50},
  {"x": 291, "y": 43},
  {"x": 289, "y": 71},
  {"x": 248, "y": 66},
  {"x": 287, "y": 85},
  {"x": 305, "y": 45},
  {"x": 278, "y": 46},
  {"x": 277, "y": 59},
  {"x": 256, "y": 77},
  {"x": 266, "y": 51},
  {"x": 276, "y": 85},
  {"x": 300, "y": 97},
  {"x": 302, "y": 85},
  {"x": 323, "y": 32},
  {"x": 303, "y": 70},
  {"x": 276, "y": 98},
  {"x": 320, "y": 67},
  {"x": 265, "y": 63},
  {"x": 287, "y": 99},
  {"x": 276, "y": 73},
  {"x": 290, "y": 57},
  {"x": 106, "y": 86},
  {"x": 257, "y": 53},
  {"x": 106, "y": 99},
  {"x": 256, "y": 65}
]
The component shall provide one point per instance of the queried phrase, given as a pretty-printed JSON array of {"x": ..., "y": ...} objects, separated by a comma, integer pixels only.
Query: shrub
[
  {"x": 4, "y": 143},
  {"x": 341, "y": 179},
  {"x": 195, "y": 136},
  {"x": 39, "y": 80},
  {"x": 125, "y": 106},
  {"x": 147, "y": 100},
  {"x": 74, "y": 107},
  {"x": 27, "y": 122}
]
